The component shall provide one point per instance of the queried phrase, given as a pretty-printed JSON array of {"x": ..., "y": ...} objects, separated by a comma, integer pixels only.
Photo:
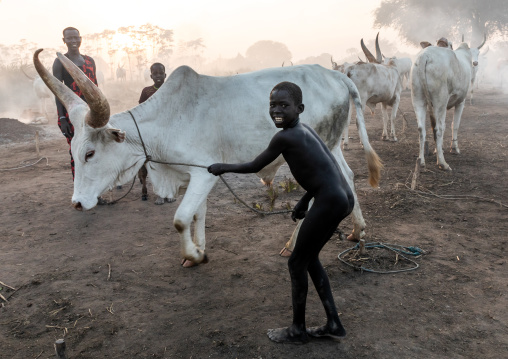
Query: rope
[
  {"x": 413, "y": 251},
  {"x": 149, "y": 159},
  {"x": 31, "y": 164}
]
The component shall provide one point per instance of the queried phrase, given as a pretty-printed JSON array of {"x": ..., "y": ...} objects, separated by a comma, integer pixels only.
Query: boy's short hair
[
  {"x": 295, "y": 92},
  {"x": 157, "y": 64},
  {"x": 69, "y": 28}
]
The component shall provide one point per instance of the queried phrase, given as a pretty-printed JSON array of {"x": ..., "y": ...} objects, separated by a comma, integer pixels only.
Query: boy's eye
[{"x": 89, "y": 155}]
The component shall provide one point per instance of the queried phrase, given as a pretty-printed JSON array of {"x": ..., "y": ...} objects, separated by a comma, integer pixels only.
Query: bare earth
[{"x": 109, "y": 280}]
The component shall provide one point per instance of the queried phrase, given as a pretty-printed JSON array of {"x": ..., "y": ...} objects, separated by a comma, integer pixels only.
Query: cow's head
[{"x": 96, "y": 144}]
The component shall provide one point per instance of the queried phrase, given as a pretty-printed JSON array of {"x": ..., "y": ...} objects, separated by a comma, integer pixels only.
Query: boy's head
[
  {"x": 158, "y": 74},
  {"x": 71, "y": 38},
  {"x": 286, "y": 104}
]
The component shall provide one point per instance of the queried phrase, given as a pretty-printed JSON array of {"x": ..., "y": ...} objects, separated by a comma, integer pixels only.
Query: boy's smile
[{"x": 283, "y": 109}]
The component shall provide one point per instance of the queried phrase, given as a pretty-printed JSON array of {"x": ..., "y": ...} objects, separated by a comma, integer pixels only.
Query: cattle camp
[{"x": 138, "y": 222}]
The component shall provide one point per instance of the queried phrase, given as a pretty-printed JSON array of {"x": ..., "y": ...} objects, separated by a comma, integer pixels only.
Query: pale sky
[{"x": 307, "y": 28}]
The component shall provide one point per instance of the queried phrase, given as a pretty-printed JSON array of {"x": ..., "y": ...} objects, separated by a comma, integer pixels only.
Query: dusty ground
[{"x": 109, "y": 280}]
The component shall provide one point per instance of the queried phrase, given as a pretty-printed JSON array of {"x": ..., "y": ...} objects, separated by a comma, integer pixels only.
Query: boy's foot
[
  {"x": 285, "y": 252},
  {"x": 288, "y": 335},
  {"x": 326, "y": 332}
]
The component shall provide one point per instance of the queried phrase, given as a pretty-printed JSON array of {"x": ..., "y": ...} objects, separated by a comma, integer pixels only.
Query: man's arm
[
  {"x": 65, "y": 125},
  {"x": 266, "y": 157}
]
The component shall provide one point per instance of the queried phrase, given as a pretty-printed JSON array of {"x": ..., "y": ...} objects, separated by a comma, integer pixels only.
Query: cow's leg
[
  {"x": 345, "y": 133},
  {"x": 421, "y": 116},
  {"x": 393, "y": 116},
  {"x": 384, "y": 114},
  {"x": 457, "y": 115},
  {"x": 440, "y": 115},
  {"x": 358, "y": 220},
  {"x": 142, "y": 173},
  {"x": 192, "y": 209}
]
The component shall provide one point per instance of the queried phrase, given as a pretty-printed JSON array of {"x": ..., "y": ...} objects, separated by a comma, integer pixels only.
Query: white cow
[
  {"x": 42, "y": 93},
  {"x": 377, "y": 82},
  {"x": 342, "y": 68},
  {"x": 440, "y": 80},
  {"x": 197, "y": 119}
]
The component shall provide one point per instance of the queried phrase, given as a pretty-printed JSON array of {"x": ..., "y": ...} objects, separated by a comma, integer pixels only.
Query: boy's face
[
  {"x": 283, "y": 109},
  {"x": 158, "y": 75},
  {"x": 72, "y": 39}
]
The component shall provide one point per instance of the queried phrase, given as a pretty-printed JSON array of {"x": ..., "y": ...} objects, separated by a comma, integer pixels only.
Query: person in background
[{"x": 158, "y": 75}]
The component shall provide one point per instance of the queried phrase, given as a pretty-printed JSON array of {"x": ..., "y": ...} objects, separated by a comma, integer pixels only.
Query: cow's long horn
[
  {"x": 378, "y": 50},
  {"x": 483, "y": 43},
  {"x": 367, "y": 53},
  {"x": 99, "y": 106},
  {"x": 30, "y": 77},
  {"x": 64, "y": 94}
]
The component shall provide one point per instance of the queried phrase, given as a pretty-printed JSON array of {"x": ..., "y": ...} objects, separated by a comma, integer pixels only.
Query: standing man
[{"x": 72, "y": 40}]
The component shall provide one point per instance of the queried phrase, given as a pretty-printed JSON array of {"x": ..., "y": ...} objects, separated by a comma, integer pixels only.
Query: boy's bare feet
[
  {"x": 288, "y": 335},
  {"x": 327, "y": 332},
  {"x": 285, "y": 252}
]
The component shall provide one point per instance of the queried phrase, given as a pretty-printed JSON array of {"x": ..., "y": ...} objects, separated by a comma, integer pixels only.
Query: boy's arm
[
  {"x": 301, "y": 207},
  {"x": 266, "y": 157}
]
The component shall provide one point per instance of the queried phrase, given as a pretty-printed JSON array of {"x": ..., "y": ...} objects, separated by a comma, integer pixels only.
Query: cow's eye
[{"x": 89, "y": 155}]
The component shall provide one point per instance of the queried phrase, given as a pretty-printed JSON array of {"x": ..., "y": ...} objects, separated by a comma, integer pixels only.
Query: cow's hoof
[
  {"x": 119, "y": 187},
  {"x": 144, "y": 197},
  {"x": 159, "y": 201}
]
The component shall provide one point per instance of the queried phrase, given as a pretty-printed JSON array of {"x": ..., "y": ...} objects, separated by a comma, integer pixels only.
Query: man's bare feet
[
  {"x": 327, "y": 332},
  {"x": 288, "y": 335},
  {"x": 284, "y": 252}
]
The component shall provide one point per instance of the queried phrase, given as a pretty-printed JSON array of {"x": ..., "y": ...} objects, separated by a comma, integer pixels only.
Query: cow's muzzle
[{"x": 77, "y": 205}]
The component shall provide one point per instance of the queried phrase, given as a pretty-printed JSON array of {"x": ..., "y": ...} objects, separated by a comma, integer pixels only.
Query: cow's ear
[
  {"x": 425, "y": 44},
  {"x": 116, "y": 134}
]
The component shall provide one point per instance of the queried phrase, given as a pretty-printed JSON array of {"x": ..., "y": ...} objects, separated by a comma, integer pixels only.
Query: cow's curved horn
[
  {"x": 378, "y": 50},
  {"x": 483, "y": 43},
  {"x": 64, "y": 94},
  {"x": 367, "y": 53},
  {"x": 97, "y": 102}
]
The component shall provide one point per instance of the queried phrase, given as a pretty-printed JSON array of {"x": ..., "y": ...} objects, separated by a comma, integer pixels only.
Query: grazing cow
[
  {"x": 198, "y": 120},
  {"x": 121, "y": 73},
  {"x": 377, "y": 82},
  {"x": 440, "y": 80}
]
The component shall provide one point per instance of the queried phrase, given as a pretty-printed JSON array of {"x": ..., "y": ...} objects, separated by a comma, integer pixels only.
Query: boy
[
  {"x": 158, "y": 75},
  {"x": 315, "y": 169}
]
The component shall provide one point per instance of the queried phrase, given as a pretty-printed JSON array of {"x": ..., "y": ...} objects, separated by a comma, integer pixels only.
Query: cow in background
[
  {"x": 441, "y": 79},
  {"x": 121, "y": 73},
  {"x": 377, "y": 83}
]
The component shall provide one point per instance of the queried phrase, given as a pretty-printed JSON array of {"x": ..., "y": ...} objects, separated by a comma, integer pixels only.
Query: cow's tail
[
  {"x": 422, "y": 75},
  {"x": 373, "y": 162}
]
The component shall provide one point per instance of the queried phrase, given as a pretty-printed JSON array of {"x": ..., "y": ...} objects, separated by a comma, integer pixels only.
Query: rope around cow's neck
[{"x": 149, "y": 159}]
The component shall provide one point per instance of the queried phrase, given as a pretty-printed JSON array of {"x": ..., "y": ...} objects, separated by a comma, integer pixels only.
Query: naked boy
[{"x": 315, "y": 169}]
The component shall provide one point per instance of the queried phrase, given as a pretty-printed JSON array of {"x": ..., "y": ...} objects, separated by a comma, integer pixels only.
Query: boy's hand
[
  {"x": 216, "y": 169},
  {"x": 299, "y": 211}
]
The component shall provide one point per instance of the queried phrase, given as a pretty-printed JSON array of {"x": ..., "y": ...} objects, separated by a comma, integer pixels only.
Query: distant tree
[
  {"x": 268, "y": 53},
  {"x": 429, "y": 20}
]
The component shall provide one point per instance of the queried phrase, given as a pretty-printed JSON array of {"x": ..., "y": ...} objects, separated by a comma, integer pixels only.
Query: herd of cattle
[{"x": 195, "y": 120}]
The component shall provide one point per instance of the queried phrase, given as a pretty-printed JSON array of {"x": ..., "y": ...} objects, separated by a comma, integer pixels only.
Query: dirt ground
[{"x": 109, "y": 280}]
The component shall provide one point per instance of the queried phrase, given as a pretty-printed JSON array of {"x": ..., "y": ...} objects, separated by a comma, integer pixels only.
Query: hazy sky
[{"x": 308, "y": 28}]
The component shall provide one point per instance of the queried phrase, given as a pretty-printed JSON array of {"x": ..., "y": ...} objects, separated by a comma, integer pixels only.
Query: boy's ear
[
  {"x": 116, "y": 134},
  {"x": 301, "y": 107}
]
